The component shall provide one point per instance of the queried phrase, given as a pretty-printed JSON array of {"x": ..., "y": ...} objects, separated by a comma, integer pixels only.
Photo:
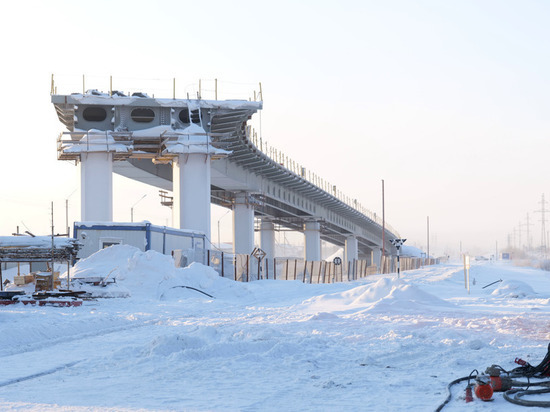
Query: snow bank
[
  {"x": 151, "y": 275},
  {"x": 386, "y": 294},
  {"x": 514, "y": 289}
]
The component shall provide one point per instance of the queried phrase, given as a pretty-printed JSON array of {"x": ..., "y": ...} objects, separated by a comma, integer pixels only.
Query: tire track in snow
[
  {"x": 73, "y": 338},
  {"x": 39, "y": 374}
]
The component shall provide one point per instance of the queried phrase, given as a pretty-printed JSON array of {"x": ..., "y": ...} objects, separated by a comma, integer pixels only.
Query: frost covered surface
[
  {"x": 192, "y": 139},
  {"x": 96, "y": 141},
  {"x": 380, "y": 343},
  {"x": 35, "y": 241},
  {"x": 138, "y": 101}
]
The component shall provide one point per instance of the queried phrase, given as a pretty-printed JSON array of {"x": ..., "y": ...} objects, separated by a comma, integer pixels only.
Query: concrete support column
[
  {"x": 312, "y": 235},
  {"x": 376, "y": 256},
  {"x": 243, "y": 225},
  {"x": 370, "y": 257},
  {"x": 351, "y": 249},
  {"x": 267, "y": 238},
  {"x": 191, "y": 189},
  {"x": 96, "y": 186}
]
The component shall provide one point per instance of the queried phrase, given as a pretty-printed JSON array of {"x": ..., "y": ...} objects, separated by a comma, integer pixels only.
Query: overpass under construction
[{"x": 204, "y": 151}]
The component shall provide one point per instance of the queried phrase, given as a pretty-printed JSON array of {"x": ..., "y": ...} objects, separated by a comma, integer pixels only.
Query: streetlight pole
[
  {"x": 219, "y": 242},
  {"x": 428, "y": 235},
  {"x": 67, "y": 213},
  {"x": 383, "y": 223},
  {"x": 132, "y": 208}
]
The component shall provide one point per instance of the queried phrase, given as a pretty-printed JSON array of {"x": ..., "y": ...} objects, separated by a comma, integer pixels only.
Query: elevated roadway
[{"x": 253, "y": 180}]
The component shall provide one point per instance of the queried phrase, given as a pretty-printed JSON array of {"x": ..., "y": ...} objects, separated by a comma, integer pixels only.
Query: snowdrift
[
  {"x": 149, "y": 275},
  {"x": 384, "y": 295}
]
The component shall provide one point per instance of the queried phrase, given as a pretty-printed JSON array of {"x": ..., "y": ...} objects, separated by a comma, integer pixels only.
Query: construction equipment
[{"x": 514, "y": 384}]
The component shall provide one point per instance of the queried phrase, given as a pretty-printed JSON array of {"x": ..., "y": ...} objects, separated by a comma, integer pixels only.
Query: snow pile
[
  {"x": 96, "y": 141},
  {"x": 385, "y": 294},
  {"x": 192, "y": 139},
  {"x": 412, "y": 251},
  {"x": 514, "y": 289},
  {"x": 150, "y": 275},
  {"x": 372, "y": 344}
]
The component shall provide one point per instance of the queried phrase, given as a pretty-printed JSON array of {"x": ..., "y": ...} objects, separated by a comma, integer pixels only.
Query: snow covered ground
[{"x": 378, "y": 344}]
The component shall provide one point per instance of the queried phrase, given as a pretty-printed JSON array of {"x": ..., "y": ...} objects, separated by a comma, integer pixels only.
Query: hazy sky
[{"x": 447, "y": 101}]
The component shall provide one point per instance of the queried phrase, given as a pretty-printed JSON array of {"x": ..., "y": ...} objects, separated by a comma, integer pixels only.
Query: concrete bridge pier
[
  {"x": 267, "y": 244},
  {"x": 267, "y": 238},
  {"x": 96, "y": 184},
  {"x": 191, "y": 188},
  {"x": 370, "y": 257},
  {"x": 312, "y": 235},
  {"x": 376, "y": 257},
  {"x": 243, "y": 225},
  {"x": 351, "y": 250}
]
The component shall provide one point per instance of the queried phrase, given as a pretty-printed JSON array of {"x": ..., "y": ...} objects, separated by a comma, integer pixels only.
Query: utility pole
[
  {"x": 519, "y": 236},
  {"x": 428, "y": 235},
  {"x": 527, "y": 224},
  {"x": 383, "y": 223},
  {"x": 542, "y": 211}
]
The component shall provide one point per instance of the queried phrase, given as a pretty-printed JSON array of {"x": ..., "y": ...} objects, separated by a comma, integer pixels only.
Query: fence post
[
  {"x": 235, "y": 266},
  {"x": 286, "y": 270},
  {"x": 311, "y": 273},
  {"x": 247, "y": 266},
  {"x": 295, "y": 268},
  {"x": 274, "y": 268},
  {"x": 305, "y": 270},
  {"x": 222, "y": 265},
  {"x": 208, "y": 257}
]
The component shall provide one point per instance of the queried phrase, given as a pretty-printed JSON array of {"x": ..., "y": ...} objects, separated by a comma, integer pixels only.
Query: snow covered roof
[{"x": 35, "y": 242}]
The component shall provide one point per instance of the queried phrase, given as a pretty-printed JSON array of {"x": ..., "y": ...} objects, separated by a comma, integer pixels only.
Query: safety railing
[
  {"x": 299, "y": 170},
  {"x": 207, "y": 89}
]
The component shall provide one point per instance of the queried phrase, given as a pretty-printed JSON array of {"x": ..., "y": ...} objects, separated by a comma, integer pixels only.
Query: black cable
[
  {"x": 518, "y": 392},
  {"x": 189, "y": 287},
  {"x": 465, "y": 378}
]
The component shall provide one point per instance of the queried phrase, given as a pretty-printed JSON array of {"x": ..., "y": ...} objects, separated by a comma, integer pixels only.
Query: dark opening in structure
[
  {"x": 142, "y": 115},
  {"x": 94, "y": 114},
  {"x": 184, "y": 115}
]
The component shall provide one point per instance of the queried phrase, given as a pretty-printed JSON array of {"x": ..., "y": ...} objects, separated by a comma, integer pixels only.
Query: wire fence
[{"x": 246, "y": 268}]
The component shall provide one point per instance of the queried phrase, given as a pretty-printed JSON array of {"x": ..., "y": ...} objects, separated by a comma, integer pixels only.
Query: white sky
[{"x": 446, "y": 101}]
